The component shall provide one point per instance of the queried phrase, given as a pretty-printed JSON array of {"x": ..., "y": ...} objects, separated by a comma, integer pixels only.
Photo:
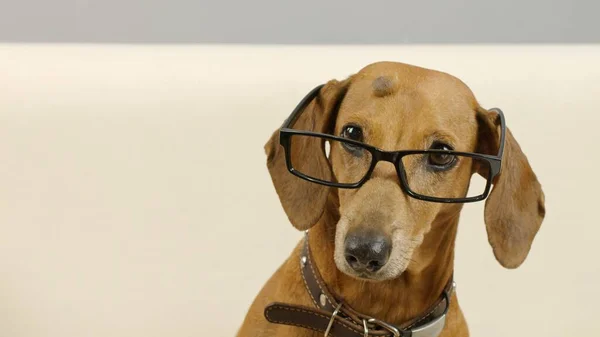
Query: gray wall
[{"x": 280, "y": 21}]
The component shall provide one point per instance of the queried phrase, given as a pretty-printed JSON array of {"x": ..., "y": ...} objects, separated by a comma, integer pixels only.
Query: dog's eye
[
  {"x": 353, "y": 132},
  {"x": 441, "y": 160}
]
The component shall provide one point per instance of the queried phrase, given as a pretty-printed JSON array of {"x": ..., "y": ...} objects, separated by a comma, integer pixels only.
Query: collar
[{"x": 335, "y": 318}]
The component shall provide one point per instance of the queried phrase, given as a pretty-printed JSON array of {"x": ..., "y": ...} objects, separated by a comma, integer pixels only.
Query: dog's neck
[{"x": 400, "y": 299}]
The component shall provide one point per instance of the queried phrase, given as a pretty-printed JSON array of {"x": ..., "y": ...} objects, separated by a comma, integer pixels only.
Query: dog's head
[{"x": 394, "y": 106}]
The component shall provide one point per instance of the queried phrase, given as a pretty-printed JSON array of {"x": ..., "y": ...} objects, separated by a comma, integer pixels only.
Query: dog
[{"x": 381, "y": 252}]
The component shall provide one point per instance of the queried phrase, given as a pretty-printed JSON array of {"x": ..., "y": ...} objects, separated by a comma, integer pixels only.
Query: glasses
[{"x": 423, "y": 174}]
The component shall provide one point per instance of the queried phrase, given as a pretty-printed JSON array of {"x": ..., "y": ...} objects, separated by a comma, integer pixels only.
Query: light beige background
[{"x": 134, "y": 199}]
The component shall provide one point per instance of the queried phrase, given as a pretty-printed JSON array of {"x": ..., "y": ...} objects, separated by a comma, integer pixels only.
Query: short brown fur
[{"x": 423, "y": 105}]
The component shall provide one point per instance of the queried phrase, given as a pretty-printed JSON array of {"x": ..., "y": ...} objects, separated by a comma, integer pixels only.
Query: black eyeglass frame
[{"x": 394, "y": 157}]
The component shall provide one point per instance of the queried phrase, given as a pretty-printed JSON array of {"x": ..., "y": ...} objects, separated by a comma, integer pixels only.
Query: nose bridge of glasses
[
  {"x": 388, "y": 156},
  {"x": 385, "y": 170}
]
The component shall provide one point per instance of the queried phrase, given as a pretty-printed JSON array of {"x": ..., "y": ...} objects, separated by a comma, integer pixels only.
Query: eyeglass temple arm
[
  {"x": 502, "y": 131},
  {"x": 300, "y": 107}
]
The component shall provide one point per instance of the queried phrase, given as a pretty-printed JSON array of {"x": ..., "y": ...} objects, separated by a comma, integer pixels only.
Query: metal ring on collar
[
  {"x": 335, "y": 312},
  {"x": 386, "y": 326}
]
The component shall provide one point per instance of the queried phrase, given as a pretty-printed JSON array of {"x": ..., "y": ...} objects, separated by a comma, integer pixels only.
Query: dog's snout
[{"x": 367, "y": 250}]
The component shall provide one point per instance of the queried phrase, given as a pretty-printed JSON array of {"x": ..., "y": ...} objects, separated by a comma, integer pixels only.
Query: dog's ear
[
  {"x": 303, "y": 201},
  {"x": 514, "y": 210}
]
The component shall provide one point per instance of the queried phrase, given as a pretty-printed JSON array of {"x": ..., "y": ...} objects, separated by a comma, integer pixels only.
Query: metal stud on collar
[
  {"x": 303, "y": 261},
  {"x": 323, "y": 300}
]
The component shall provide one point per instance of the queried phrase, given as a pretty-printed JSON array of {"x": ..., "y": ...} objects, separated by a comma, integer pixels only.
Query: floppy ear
[
  {"x": 303, "y": 201},
  {"x": 514, "y": 210}
]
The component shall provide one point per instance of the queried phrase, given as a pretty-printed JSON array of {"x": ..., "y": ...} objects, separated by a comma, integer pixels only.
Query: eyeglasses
[{"x": 423, "y": 174}]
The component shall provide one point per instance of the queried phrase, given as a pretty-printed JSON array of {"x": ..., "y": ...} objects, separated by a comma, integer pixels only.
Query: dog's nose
[{"x": 367, "y": 250}]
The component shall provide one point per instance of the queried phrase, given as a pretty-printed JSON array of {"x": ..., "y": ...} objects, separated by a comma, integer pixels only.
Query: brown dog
[{"x": 393, "y": 106}]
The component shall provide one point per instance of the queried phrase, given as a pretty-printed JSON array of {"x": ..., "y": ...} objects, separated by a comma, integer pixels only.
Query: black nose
[{"x": 367, "y": 250}]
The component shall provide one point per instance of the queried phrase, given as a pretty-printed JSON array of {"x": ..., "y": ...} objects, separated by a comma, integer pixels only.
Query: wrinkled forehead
[{"x": 391, "y": 97}]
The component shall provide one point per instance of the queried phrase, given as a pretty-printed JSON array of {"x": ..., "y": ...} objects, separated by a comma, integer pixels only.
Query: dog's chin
[{"x": 383, "y": 274}]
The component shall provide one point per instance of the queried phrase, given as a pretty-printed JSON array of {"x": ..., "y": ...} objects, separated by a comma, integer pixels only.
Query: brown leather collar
[{"x": 335, "y": 318}]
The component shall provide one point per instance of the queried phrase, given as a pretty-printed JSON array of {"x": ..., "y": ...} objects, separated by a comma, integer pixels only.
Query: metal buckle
[
  {"x": 386, "y": 326},
  {"x": 435, "y": 327},
  {"x": 335, "y": 312},
  {"x": 431, "y": 329}
]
